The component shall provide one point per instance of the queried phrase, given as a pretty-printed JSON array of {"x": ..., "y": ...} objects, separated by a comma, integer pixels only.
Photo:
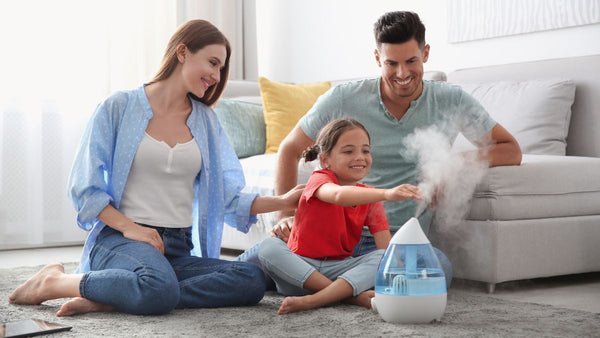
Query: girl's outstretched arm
[{"x": 347, "y": 195}]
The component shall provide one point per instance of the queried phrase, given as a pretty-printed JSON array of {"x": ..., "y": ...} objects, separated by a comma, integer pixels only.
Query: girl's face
[
  {"x": 202, "y": 69},
  {"x": 350, "y": 158}
]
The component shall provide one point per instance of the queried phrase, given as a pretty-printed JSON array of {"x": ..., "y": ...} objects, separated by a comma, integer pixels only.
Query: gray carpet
[{"x": 467, "y": 314}]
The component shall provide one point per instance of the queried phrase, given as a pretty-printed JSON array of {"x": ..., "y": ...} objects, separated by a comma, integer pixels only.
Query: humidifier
[{"x": 410, "y": 286}]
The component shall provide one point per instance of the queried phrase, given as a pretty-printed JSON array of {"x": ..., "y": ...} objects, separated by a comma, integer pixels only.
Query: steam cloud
[{"x": 449, "y": 177}]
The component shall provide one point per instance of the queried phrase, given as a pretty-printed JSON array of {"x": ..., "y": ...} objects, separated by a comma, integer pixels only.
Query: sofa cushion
[
  {"x": 244, "y": 125},
  {"x": 284, "y": 104},
  {"x": 536, "y": 113},
  {"x": 259, "y": 172},
  {"x": 542, "y": 186}
]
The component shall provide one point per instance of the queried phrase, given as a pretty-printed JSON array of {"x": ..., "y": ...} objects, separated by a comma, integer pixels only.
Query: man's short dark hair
[{"x": 399, "y": 27}]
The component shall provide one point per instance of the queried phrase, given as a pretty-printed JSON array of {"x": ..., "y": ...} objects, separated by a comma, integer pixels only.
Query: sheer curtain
[
  {"x": 237, "y": 20},
  {"x": 59, "y": 59}
]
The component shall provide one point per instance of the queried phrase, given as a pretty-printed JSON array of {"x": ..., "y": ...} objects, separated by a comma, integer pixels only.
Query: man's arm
[
  {"x": 286, "y": 174},
  {"x": 289, "y": 153},
  {"x": 499, "y": 148},
  {"x": 382, "y": 239}
]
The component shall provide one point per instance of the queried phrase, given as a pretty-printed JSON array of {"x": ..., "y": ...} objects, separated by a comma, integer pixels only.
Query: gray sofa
[
  {"x": 539, "y": 219},
  {"x": 542, "y": 218}
]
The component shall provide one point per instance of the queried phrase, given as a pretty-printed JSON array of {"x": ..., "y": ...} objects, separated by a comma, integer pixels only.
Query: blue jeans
[
  {"x": 290, "y": 271},
  {"x": 136, "y": 278},
  {"x": 365, "y": 245}
]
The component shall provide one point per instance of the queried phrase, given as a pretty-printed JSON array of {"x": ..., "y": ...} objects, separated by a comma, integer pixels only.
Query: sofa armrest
[
  {"x": 544, "y": 174},
  {"x": 246, "y": 88},
  {"x": 434, "y": 75},
  {"x": 237, "y": 88},
  {"x": 543, "y": 186}
]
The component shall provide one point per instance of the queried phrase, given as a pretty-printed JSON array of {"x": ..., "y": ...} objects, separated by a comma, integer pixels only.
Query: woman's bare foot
[
  {"x": 294, "y": 304},
  {"x": 38, "y": 288},
  {"x": 81, "y": 305},
  {"x": 362, "y": 299}
]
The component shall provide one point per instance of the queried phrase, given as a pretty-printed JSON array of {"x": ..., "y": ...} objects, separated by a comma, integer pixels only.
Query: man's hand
[
  {"x": 499, "y": 148},
  {"x": 283, "y": 228}
]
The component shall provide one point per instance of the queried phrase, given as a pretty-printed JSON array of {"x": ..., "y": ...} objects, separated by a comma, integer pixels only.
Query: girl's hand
[
  {"x": 290, "y": 199},
  {"x": 144, "y": 234},
  {"x": 402, "y": 192}
]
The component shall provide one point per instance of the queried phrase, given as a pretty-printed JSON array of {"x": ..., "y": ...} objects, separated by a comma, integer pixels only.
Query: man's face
[{"x": 402, "y": 68}]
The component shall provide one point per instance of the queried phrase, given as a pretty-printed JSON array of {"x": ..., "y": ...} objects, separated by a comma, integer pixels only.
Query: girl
[
  {"x": 328, "y": 224},
  {"x": 155, "y": 169}
]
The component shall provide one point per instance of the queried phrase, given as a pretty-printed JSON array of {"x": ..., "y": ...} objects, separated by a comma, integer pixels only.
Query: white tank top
[{"x": 160, "y": 187}]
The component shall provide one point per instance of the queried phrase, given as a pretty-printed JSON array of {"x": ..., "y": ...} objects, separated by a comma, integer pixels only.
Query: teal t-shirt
[{"x": 442, "y": 104}]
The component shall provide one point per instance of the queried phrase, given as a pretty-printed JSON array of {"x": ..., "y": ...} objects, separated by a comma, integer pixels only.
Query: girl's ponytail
[{"x": 311, "y": 153}]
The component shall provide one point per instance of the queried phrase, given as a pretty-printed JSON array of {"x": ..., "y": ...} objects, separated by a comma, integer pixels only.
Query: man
[{"x": 392, "y": 107}]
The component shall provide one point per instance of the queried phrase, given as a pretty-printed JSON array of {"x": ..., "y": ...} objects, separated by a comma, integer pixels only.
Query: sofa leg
[{"x": 491, "y": 287}]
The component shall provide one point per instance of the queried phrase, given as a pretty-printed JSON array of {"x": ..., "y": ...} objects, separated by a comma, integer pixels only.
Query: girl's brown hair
[
  {"x": 195, "y": 35},
  {"x": 329, "y": 135}
]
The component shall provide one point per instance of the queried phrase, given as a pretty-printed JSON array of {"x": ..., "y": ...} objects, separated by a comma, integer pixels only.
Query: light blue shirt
[
  {"x": 440, "y": 104},
  {"x": 105, "y": 155}
]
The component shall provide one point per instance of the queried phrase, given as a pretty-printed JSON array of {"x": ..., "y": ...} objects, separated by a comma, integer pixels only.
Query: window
[{"x": 59, "y": 59}]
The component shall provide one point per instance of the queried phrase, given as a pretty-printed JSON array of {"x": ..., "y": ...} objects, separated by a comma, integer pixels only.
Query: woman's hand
[
  {"x": 144, "y": 234},
  {"x": 287, "y": 201},
  {"x": 116, "y": 220},
  {"x": 290, "y": 199},
  {"x": 402, "y": 192}
]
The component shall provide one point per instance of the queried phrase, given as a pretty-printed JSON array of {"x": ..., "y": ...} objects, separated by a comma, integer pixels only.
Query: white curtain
[
  {"x": 58, "y": 60},
  {"x": 237, "y": 20}
]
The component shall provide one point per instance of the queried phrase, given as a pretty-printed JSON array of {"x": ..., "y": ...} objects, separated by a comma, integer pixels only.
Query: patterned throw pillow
[{"x": 244, "y": 125}]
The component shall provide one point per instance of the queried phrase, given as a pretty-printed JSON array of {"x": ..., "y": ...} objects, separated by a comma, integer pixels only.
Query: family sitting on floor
[{"x": 332, "y": 232}]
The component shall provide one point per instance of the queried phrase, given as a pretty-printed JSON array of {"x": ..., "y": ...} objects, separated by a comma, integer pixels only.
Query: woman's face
[
  {"x": 202, "y": 69},
  {"x": 350, "y": 158}
]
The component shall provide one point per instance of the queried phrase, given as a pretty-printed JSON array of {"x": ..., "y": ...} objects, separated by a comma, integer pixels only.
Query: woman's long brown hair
[{"x": 195, "y": 35}]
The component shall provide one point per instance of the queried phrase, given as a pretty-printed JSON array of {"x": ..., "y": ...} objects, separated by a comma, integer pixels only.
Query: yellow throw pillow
[{"x": 284, "y": 104}]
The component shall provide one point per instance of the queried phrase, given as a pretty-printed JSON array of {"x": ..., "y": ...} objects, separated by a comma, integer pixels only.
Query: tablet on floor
[{"x": 30, "y": 327}]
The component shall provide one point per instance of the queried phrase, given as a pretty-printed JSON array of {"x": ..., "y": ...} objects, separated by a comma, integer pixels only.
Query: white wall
[{"x": 312, "y": 40}]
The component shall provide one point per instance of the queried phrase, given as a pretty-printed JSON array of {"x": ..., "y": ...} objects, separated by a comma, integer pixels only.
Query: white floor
[{"x": 578, "y": 292}]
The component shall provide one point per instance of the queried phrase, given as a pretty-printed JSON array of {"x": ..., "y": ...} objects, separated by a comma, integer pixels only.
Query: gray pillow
[
  {"x": 244, "y": 124},
  {"x": 536, "y": 113}
]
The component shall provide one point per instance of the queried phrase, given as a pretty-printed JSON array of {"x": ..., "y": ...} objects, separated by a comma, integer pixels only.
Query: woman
[{"x": 155, "y": 169}]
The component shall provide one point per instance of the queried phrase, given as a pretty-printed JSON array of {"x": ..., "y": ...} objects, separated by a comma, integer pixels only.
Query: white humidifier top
[{"x": 410, "y": 233}]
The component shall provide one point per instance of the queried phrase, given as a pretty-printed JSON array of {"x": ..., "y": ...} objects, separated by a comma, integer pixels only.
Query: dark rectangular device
[{"x": 30, "y": 327}]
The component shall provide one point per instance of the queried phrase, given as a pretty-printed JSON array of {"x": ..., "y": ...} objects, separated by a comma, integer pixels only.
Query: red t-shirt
[{"x": 326, "y": 230}]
